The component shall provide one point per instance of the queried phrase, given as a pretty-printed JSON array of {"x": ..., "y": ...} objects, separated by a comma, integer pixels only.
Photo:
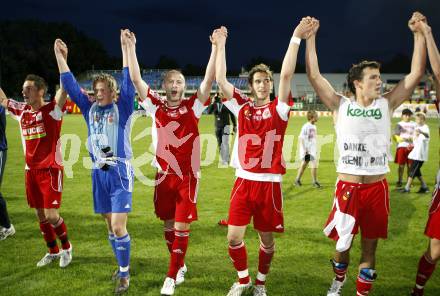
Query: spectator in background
[
  {"x": 222, "y": 126},
  {"x": 419, "y": 154},
  {"x": 403, "y": 134}
]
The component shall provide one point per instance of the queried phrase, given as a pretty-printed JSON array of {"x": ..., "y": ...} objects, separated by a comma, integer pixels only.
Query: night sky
[{"x": 350, "y": 30}]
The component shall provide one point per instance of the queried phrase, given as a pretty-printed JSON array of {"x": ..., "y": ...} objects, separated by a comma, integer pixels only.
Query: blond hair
[{"x": 109, "y": 80}]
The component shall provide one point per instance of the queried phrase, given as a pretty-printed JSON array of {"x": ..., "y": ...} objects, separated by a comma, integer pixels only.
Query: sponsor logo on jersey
[
  {"x": 266, "y": 113},
  {"x": 110, "y": 118},
  {"x": 247, "y": 114},
  {"x": 39, "y": 116},
  {"x": 357, "y": 112},
  {"x": 183, "y": 110},
  {"x": 172, "y": 114}
]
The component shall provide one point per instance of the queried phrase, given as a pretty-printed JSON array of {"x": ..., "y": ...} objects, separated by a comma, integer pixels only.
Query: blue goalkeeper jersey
[{"x": 108, "y": 126}]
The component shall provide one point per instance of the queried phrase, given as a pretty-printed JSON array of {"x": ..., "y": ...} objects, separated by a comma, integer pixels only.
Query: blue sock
[
  {"x": 123, "y": 254},
  {"x": 111, "y": 240}
]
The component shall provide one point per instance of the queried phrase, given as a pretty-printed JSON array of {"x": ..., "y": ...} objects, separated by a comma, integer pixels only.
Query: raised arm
[
  {"x": 133, "y": 66},
  {"x": 3, "y": 98},
  {"x": 406, "y": 86},
  {"x": 219, "y": 39},
  {"x": 61, "y": 50},
  {"x": 434, "y": 56},
  {"x": 205, "y": 87},
  {"x": 322, "y": 87},
  {"x": 127, "y": 91},
  {"x": 61, "y": 96},
  {"x": 289, "y": 63}
]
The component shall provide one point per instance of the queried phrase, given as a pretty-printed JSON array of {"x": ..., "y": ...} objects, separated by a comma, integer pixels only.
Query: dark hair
[
  {"x": 259, "y": 68},
  {"x": 407, "y": 111},
  {"x": 39, "y": 82},
  {"x": 356, "y": 73}
]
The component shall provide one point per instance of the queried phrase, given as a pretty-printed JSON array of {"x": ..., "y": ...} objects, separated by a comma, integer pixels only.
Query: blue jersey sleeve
[
  {"x": 74, "y": 91},
  {"x": 127, "y": 93}
]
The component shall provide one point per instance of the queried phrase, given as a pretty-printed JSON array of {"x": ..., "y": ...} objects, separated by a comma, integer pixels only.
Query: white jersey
[
  {"x": 363, "y": 137},
  {"x": 421, "y": 145},
  {"x": 406, "y": 131},
  {"x": 308, "y": 136}
]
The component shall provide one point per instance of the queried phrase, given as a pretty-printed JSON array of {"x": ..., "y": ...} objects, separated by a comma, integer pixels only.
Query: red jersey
[
  {"x": 258, "y": 145},
  {"x": 175, "y": 133},
  {"x": 40, "y": 131}
]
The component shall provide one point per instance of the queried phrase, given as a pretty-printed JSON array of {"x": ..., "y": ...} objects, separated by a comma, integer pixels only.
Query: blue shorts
[{"x": 112, "y": 189}]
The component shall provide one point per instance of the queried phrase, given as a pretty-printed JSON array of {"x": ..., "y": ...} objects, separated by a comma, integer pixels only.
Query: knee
[
  {"x": 234, "y": 239},
  {"x": 52, "y": 217},
  {"x": 119, "y": 229},
  {"x": 434, "y": 255}
]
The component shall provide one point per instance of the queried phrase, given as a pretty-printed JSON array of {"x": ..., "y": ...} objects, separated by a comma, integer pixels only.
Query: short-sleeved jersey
[
  {"x": 363, "y": 137},
  {"x": 175, "y": 133},
  {"x": 40, "y": 132},
  {"x": 421, "y": 144},
  {"x": 406, "y": 131},
  {"x": 308, "y": 136},
  {"x": 257, "y": 153},
  {"x": 109, "y": 125}
]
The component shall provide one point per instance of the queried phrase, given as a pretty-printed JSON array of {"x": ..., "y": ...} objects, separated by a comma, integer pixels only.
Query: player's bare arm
[
  {"x": 220, "y": 65},
  {"x": 3, "y": 98},
  {"x": 302, "y": 31},
  {"x": 406, "y": 86},
  {"x": 133, "y": 65},
  {"x": 323, "y": 88},
  {"x": 205, "y": 87},
  {"x": 61, "y": 95},
  {"x": 433, "y": 54},
  {"x": 124, "y": 48},
  {"x": 61, "y": 50}
]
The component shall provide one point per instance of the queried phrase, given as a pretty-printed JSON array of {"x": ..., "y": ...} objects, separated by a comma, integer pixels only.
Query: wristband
[{"x": 295, "y": 40}]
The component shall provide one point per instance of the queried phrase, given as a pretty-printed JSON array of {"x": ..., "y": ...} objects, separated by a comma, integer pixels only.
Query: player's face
[
  {"x": 371, "y": 83},
  {"x": 406, "y": 118},
  {"x": 31, "y": 93},
  {"x": 314, "y": 119},
  {"x": 103, "y": 93},
  {"x": 420, "y": 120},
  {"x": 174, "y": 85},
  {"x": 261, "y": 85}
]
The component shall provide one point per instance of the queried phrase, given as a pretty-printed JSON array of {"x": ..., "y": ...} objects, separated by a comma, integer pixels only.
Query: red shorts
[
  {"x": 261, "y": 200},
  {"x": 176, "y": 199},
  {"x": 432, "y": 229},
  {"x": 44, "y": 188},
  {"x": 370, "y": 208},
  {"x": 402, "y": 155}
]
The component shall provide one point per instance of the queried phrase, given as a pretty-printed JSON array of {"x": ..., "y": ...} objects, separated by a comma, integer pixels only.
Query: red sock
[
  {"x": 238, "y": 255},
  {"x": 340, "y": 270},
  {"x": 365, "y": 281},
  {"x": 180, "y": 245},
  {"x": 424, "y": 272},
  {"x": 264, "y": 259},
  {"x": 61, "y": 231},
  {"x": 49, "y": 236},
  {"x": 169, "y": 238}
]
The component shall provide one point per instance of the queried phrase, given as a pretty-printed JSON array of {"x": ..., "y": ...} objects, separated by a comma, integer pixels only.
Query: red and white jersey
[
  {"x": 257, "y": 153},
  {"x": 406, "y": 131},
  {"x": 40, "y": 131},
  {"x": 175, "y": 133}
]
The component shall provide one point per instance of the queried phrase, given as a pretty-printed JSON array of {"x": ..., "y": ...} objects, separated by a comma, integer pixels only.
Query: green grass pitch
[{"x": 301, "y": 263}]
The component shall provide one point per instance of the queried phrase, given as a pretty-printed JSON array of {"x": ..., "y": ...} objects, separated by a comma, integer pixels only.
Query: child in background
[
  {"x": 419, "y": 154},
  {"x": 307, "y": 140}
]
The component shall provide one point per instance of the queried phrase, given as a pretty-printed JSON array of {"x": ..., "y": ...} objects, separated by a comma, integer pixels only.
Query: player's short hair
[
  {"x": 39, "y": 82},
  {"x": 107, "y": 79},
  {"x": 407, "y": 111},
  {"x": 311, "y": 114},
  {"x": 421, "y": 115},
  {"x": 260, "y": 68},
  {"x": 172, "y": 71},
  {"x": 357, "y": 73}
]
